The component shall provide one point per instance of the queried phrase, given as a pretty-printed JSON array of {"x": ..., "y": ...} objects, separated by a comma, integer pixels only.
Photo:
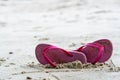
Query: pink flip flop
[
  {"x": 49, "y": 54},
  {"x": 97, "y": 51}
]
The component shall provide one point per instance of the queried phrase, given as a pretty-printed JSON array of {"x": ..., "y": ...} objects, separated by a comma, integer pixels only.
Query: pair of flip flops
[{"x": 97, "y": 51}]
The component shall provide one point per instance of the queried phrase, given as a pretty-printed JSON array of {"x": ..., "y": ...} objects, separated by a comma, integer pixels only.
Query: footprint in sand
[
  {"x": 2, "y": 60},
  {"x": 102, "y": 11},
  {"x": 2, "y": 24}
]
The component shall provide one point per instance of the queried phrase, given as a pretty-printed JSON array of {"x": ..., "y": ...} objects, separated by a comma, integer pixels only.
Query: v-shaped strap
[
  {"x": 50, "y": 48},
  {"x": 96, "y": 45}
]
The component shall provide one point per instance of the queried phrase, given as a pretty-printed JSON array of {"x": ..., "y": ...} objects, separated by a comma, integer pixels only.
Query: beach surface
[{"x": 68, "y": 24}]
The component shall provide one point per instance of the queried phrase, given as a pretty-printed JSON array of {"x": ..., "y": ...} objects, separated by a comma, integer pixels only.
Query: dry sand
[{"x": 68, "y": 24}]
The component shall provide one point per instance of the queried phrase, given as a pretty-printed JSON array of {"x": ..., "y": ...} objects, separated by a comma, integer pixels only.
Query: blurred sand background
[{"x": 64, "y": 23}]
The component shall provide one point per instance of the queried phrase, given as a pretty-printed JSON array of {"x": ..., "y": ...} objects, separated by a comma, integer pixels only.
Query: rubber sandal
[
  {"x": 49, "y": 54},
  {"x": 108, "y": 49},
  {"x": 98, "y": 51}
]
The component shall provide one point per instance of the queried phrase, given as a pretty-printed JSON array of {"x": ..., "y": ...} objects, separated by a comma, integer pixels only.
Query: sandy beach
[{"x": 68, "y": 24}]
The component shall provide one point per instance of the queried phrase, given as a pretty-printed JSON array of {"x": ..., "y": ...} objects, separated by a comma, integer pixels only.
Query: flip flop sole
[
  {"x": 56, "y": 55},
  {"x": 108, "y": 49},
  {"x": 38, "y": 52}
]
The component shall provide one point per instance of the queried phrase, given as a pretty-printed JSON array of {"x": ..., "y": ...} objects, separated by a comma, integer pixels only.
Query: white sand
[{"x": 64, "y": 23}]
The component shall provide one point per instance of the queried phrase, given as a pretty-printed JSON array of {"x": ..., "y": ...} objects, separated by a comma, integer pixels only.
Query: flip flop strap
[
  {"x": 97, "y": 45},
  {"x": 53, "y": 47}
]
